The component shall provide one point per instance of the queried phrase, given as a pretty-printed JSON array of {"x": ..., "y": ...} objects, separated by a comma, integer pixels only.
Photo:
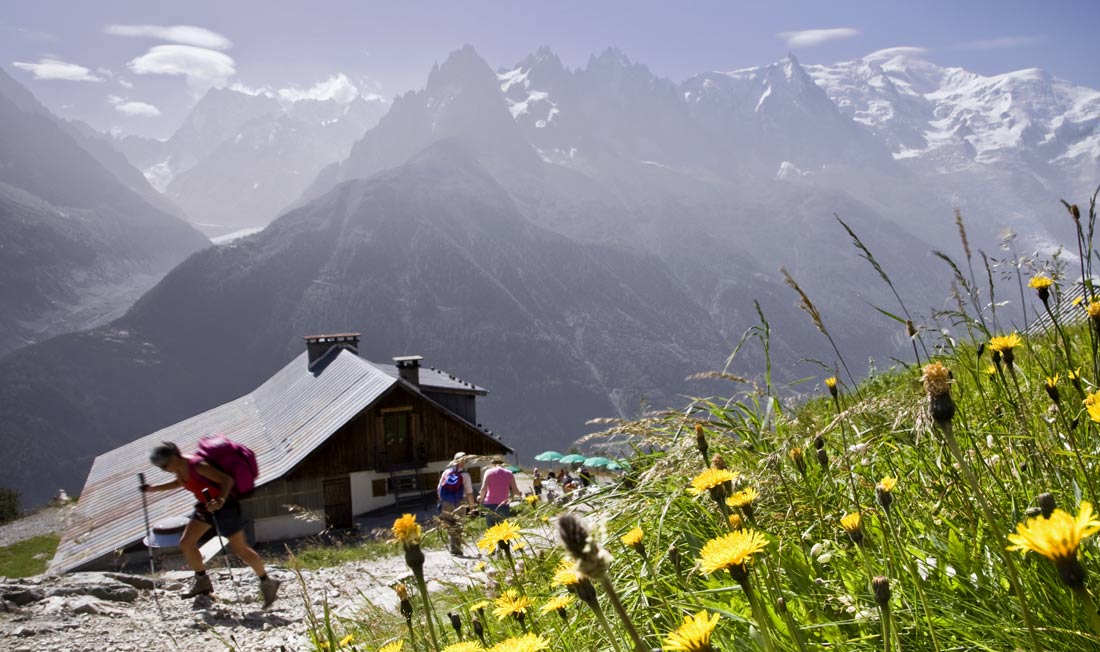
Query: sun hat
[{"x": 166, "y": 533}]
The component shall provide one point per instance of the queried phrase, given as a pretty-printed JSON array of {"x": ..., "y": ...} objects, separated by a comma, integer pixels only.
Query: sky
[{"x": 138, "y": 67}]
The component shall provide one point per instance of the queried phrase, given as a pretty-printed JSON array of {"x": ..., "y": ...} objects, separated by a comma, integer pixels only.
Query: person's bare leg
[
  {"x": 189, "y": 544},
  {"x": 239, "y": 545}
]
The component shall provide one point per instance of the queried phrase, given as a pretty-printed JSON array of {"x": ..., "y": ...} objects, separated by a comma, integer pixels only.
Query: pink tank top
[{"x": 497, "y": 481}]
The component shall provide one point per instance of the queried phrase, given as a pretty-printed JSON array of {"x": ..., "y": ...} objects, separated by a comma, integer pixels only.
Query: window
[{"x": 395, "y": 428}]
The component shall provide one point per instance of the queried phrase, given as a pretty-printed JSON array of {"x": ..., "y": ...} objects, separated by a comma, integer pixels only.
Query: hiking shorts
[{"x": 229, "y": 519}]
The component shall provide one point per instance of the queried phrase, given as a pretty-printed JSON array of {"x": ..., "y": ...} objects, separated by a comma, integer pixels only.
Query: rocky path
[
  {"x": 44, "y": 521},
  {"x": 95, "y": 612}
]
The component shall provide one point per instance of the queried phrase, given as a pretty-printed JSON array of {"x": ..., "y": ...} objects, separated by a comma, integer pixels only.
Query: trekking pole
[
  {"x": 149, "y": 543},
  {"x": 222, "y": 540}
]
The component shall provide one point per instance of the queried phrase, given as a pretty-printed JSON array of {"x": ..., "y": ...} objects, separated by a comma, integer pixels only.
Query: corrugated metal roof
[
  {"x": 433, "y": 378},
  {"x": 282, "y": 421},
  {"x": 1066, "y": 311}
]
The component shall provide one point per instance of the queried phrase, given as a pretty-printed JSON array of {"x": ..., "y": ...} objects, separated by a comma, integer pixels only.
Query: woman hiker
[
  {"x": 498, "y": 485},
  {"x": 195, "y": 476}
]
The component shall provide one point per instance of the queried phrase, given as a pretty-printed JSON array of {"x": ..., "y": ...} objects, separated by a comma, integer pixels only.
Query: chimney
[
  {"x": 319, "y": 345},
  {"x": 409, "y": 368}
]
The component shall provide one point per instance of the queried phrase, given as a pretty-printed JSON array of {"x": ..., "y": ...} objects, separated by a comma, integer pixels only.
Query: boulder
[
  {"x": 21, "y": 594},
  {"x": 97, "y": 586},
  {"x": 93, "y": 607},
  {"x": 136, "y": 581}
]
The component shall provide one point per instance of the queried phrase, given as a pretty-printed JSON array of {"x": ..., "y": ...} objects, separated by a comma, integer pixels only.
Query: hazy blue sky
[{"x": 113, "y": 63}]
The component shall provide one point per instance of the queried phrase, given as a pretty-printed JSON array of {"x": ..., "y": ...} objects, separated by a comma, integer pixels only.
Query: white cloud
[
  {"x": 36, "y": 35},
  {"x": 125, "y": 83},
  {"x": 1003, "y": 42},
  {"x": 131, "y": 108},
  {"x": 203, "y": 68},
  {"x": 251, "y": 90},
  {"x": 57, "y": 69},
  {"x": 185, "y": 34},
  {"x": 337, "y": 87},
  {"x": 889, "y": 53},
  {"x": 810, "y": 37}
]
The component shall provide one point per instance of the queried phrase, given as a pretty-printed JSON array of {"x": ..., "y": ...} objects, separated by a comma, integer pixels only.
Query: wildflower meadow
[{"x": 945, "y": 504}]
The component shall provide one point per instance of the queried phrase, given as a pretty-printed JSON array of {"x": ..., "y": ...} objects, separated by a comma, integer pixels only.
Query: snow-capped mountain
[
  {"x": 1007, "y": 144},
  {"x": 240, "y": 158}
]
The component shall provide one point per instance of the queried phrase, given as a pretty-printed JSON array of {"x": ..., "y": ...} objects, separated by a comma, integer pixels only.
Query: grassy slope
[
  {"x": 28, "y": 557},
  {"x": 941, "y": 545}
]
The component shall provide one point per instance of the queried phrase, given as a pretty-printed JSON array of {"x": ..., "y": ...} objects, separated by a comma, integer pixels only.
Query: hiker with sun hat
[{"x": 216, "y": 506}]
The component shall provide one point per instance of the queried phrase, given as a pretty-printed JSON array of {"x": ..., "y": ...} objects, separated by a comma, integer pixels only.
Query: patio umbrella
[
  {"x": 597, "y": 461},
  {"x": 616, "y": 466},
  {"x": 572, "y": 459},
  {"x": 549, "y": 456},
  {"x": 513, "y": 468}
]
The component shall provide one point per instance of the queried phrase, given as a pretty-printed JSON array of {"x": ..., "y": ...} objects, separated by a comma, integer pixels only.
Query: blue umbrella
[
  {"x": 617, "y": 466},
  {"x": 597, "y": 461},
  {"x": 549, "y": 456},
  {"x": 572, "y": 459}
]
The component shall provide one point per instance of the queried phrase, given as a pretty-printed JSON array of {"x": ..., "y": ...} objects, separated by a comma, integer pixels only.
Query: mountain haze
[{"x": 81, "y": 238}]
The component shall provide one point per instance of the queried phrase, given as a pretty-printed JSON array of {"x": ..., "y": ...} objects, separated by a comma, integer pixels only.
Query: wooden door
[{"x": 338, "y": 513}]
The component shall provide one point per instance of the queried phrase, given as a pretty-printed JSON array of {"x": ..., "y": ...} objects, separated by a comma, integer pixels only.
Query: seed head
[{"x": 880, "y": 586}]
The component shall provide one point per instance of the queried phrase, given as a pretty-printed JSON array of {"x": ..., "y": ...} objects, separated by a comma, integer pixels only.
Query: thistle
[
  {"x": 884, "y": 492},
  {"x": 853, "y": 525},
  {"x": 1041, "y": 284},
  {"x": 1006, "y": 345},
  {"x": 701, "y": 442},
  {"x": 936, "y": 379},
  {"x": 693, "y": 635}
]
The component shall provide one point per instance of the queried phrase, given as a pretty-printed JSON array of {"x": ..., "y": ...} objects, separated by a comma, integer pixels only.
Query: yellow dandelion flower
[
  {"x": 1052, "y": 381},
  {"x": 830, "y": 382},
  {"x": 510, "y": 603},
  {"x": 887, "y": 484},
  {"x": 710, "y": 479},
  {"x": 525, "y": 643},
  {"x": 743, "y": 498},
  {"x": 1079, "y": 300},
  {"x": 851, "y": 522},
  {"x": 1040, "y": 282},
  {"x": 503, "y": 532},
  {"x": 401, "y": 590},
  {"x": 406, "y": 530},
  {"x": 1057, "y": 538},
  {"x": 464, "y": 646},
  {"x": 347, "y": 639},
  {"x": 479, "y": 605},
  {"x": 520, "y": 545},
  {"x": 566, "y": 574},
  {"x": 393, "y": 646},
  {"x": 1092, "y": 405},
  {"x": 1005, "y": 343},
  {"x": 990, "y": 370},
  {"x": 1094, "y": 309},
  {"x": 632, "y": 538},
  {"x": 731, "y": 550},
  {"x": 557, "y": 603},
  {"x": 479, "y": 566},
  {"x": 532, "y": 499},
  {"x": 693, "y": 635},
  {"x": 736, "y": 522},
  {"x": 936, "y": 378},
  {"x": 1074, "y": 374}
]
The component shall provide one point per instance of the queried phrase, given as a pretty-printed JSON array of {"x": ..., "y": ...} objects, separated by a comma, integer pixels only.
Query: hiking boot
[
  {"x": 202, "y": 586},
  {"x": 269, "y": 588}
]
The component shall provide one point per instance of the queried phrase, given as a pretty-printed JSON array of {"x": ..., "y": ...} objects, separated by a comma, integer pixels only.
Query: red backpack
[{"x": 232, "y": 458}]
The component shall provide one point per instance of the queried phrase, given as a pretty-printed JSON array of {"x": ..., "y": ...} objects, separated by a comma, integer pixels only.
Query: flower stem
[{"x": 613, "y": 596}]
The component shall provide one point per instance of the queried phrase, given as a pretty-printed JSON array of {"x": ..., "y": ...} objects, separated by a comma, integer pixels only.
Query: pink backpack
[{"x": 232, "y": 458}]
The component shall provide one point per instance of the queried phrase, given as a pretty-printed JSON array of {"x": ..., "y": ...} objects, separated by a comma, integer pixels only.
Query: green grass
[{"x": 29, "y": 557}]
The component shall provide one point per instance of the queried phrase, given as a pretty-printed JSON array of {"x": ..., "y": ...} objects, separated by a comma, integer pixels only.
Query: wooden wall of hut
[{"x": 360, "y": 445}]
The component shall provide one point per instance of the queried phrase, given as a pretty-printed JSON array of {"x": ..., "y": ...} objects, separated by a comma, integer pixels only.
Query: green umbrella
[
  {"x": 572, "y": 459},
  {"x": 549, "y": 456},
  {"x": 616, "y": 466},
  {"x": 597, "y": 461},
  {"x": 513, "y": 468}
]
